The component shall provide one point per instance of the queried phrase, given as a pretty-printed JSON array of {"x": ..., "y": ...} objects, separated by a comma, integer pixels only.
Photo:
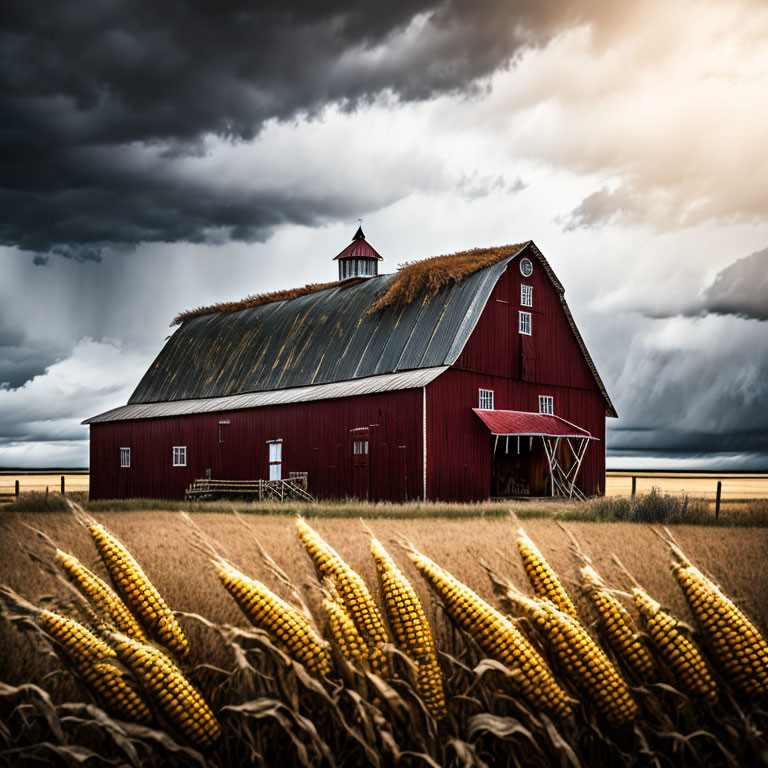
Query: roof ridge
[{"x": 413, "y": 278}]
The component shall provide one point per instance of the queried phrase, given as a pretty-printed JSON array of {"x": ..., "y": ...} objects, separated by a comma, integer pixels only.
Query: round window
[{"x": 526, "y": 267}]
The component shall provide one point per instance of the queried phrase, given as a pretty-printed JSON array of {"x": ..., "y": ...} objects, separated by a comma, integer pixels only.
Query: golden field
[
  {"x": 736, "y": 486},
  {"x": 272, "y": 712},
  {"x": 162, "y": 542}
]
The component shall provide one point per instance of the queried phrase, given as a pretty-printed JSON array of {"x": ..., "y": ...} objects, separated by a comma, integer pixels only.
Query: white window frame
[
  {"x": 525, "y": 323},
  {"x": 360, "y": 447},
  {"x": 125, "y": 458},
  {"x": 179, "y": 455},
  {"x": 547, "y": 405},
  {"x": 526, "y": 295},
  {"x": 223, "y": 424},
  {"x": 484, "y": 398},
  {"x": 275, "y": 458}
]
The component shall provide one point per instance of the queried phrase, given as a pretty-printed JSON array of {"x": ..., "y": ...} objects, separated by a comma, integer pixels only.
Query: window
[
  {"x": 125, "y": 457},
  {"x": 486, "y": 400},
  {"x": 275, "y": 459},
  {"x": 525, "y": 323},
  {"x": 179, "y": 455},
  {"x": 360, "y": 447},
  {"x": 223, "y": 429},
  {"x": 526, "y": 295},
  {"x": 546, "y": 404}
]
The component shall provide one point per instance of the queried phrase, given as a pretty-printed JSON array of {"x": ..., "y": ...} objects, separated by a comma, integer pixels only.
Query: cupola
[{"x": 358, "y": 259}]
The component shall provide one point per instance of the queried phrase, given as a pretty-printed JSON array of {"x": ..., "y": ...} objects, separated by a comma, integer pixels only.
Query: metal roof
[
  {"x": 527, "y": 424},
  {"x": 323, "y": 337},
  {"x": 366, "y": 386},
  {"x": 317, "y": 338}
]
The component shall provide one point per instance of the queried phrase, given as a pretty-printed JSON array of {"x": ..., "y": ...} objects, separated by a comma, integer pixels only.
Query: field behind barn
[{"x": 737, "y": 487}]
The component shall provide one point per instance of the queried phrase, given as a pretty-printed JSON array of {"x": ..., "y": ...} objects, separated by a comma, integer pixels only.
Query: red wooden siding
[
  {"x": 551, "y": 352},
  {"x": 316, "y": 439},
  {"x": 459, "y": 462},
  {"x": 318, "y": 436}
]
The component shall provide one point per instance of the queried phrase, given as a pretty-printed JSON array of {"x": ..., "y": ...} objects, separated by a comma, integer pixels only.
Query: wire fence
[
  {"x": 734, "y": 487},
  {"x": 14, "y": 483}
]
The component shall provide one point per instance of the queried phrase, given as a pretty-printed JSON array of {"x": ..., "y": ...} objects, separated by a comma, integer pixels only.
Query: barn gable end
[{"x": 553, "y": 354}]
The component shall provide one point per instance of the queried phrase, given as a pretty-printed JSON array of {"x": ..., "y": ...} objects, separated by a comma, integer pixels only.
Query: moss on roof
[
  {"x": 426, "y": 277},
  {"x": 249, "y": 302},
  {"x": 413, "y": 279}
]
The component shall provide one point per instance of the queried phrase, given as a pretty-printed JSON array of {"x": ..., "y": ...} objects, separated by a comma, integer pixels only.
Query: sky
[{"x": 162, "y": 156}]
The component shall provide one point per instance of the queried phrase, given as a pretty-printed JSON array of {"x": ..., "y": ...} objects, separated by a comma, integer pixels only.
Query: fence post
[
  {"x": 717, "y": 499},
  {"x": 634, "y": 485},
  {"x": 62, "y": 485},
  {"x": 17, "y": 489}
]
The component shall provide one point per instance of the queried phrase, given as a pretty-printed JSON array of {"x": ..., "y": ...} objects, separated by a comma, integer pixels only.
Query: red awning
[{"x": 529, "y": 424}]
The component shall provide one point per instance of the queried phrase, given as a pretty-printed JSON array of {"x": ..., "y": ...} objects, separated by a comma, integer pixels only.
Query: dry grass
[
  {"x": 256, "y": 300},
  {"x": 733, "y": 556},
  {"x": 274, "y": 714},
  {"x": 736, "y": 487},
  {"x": 427, "y": 277},
  {"x": 653, "y": 507},
  {"x": 39, "y": 481},
  {"x": 413, "y": 279}
]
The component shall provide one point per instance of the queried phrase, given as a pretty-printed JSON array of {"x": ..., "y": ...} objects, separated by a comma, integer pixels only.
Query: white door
[{"x": 275, "y": 461}]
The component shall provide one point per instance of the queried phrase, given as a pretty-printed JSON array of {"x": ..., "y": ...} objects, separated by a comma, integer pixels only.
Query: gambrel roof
[{"x": 334, "y": 334}]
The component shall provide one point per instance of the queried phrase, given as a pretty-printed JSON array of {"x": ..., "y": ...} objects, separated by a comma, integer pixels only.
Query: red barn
[{"x": 456, "y": 378}]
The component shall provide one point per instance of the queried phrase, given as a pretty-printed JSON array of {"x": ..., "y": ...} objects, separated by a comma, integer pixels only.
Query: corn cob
[
  {"x": 344, "y": 632},
  {"x": 498, "y": 637},
  {"x": 543, "y": 579},
  {"x": 91, "y": 658},
  {"x": 354, "y": 594},
  {"x": 287, "y": 626},
  {"x": 618, "y": 628},
  {"x": 582, "y": 659},
  {"x": 679, "y": 653},
  {"x": 736, "y": 643},
  {"x": 100, "y": 595},
  {"x": 81, "y": 646},
  {"x": 410, "y": 628},
  {"x": 173, "y": 694},
  {"x": 138, "y": 592}
]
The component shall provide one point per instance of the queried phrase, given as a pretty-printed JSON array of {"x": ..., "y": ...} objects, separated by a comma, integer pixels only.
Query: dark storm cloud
[
  {"x": 19, "y": 359},
  {"x": 693, "y": 386},
  {"x": 81, "y": 86},
  {"x": 740, "y": 289}
]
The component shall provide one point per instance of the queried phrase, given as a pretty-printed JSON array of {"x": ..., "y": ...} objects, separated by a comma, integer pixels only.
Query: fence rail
[
  {"x": 14, "y": 483},
  {"x": 264, "y": 490}
]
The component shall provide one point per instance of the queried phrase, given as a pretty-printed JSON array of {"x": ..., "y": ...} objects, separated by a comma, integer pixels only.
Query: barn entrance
[
  {"x": 519, "y": 466},
  {"x": 534, "y": 454}
]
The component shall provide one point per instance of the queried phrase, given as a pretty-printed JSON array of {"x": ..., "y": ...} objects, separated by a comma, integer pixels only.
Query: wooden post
[
  {"x": 62, "y": 485},
  {"x": 634, "y": 486},
  {"x": 17, "y": 489},
  {"x": 717, "y": 498}
]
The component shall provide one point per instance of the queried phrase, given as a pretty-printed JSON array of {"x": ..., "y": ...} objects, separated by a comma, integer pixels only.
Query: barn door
[{"x": 360, "y": 439}]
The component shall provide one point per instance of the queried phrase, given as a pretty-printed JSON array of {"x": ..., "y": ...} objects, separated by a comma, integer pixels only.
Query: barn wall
[
  {"x": 459, "y": 464},
  {"x": 316, "y": 439},
  {"x": 550, "y": 355}
]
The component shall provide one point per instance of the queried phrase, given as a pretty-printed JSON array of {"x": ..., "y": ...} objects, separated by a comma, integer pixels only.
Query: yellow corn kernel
[
  {"x": 354, "y": 594},
  {"x": 410, "y": 628},
  {"x": 138, "y": 592}
]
